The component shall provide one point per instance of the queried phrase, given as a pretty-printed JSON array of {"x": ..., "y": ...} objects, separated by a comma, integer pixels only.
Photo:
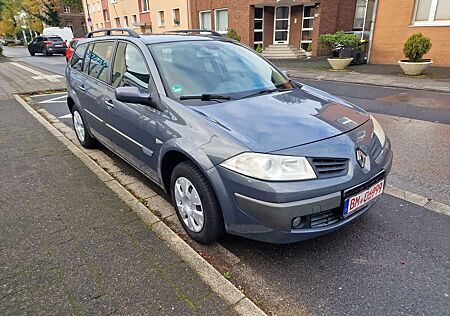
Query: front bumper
[{"x": 265, "y": 210}]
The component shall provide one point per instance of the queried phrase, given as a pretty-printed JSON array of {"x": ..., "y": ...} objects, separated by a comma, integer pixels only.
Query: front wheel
[
  {"x": 196, "y": 204},
  {"x": 32, "y": 53},
  {"x": 85, "y": 139}
]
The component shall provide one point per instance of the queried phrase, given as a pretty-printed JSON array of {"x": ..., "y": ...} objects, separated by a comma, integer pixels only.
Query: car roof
[{"x": 160, "y": 38}]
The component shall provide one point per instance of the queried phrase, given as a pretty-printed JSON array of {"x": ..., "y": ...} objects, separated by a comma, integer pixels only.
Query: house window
[
  {"x": 221, "y": 19},
  {"x": 360, "y": 14},
  {"x": 432, "y": 12},
  {"x": 145, "y": 6},
  {"x": 258, "y": 27},
  {"x": 205, "y": 20},
  {"x": 176, "y": 16},
  {"x": 125, "y": 19},
  {"x": 161, "y": 20},
  {"x": 92, "y": 6},
  {"x": 106, "y": 15},
  {"x": 307, "y": 27},
  {"x": 69, "y": 24},
  {"x": 66, "y": 9},
  {"x": 117, "y": 20},
  {"x": 134, "y": 17},
  {"x": 98, "y": 6}
]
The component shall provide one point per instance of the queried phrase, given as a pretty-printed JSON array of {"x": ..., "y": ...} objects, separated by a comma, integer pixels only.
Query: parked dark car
[
  {"x": 47, "y": 46},
  {"x": 240, "y": 147},
  {"x": 71, "y": 48}
]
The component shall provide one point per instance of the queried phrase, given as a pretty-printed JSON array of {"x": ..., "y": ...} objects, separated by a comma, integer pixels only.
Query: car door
[
  {"x": 36, "y": 45},
  {"x": 135, "y": 125},
  {"x": 76, "y": 77},
  {"x": 96, "y": 68}
]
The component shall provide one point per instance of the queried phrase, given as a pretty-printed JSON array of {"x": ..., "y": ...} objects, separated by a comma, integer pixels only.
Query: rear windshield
[{"x": 54, "y": 39}]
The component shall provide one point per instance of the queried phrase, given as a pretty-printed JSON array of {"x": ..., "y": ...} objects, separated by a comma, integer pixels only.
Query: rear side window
[
  {"x": 77, "y": 58},
  {"x": 130, "y": 68},
  {"x": 99, "y": 60},
  {"x": 73, "y": 44}
]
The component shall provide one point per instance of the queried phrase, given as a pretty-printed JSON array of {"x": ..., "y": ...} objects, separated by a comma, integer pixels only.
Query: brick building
[
  {"x": 73, "y": 18},
  {"x": 393, "y": 26},
  {"x": 278, "y": 23}
]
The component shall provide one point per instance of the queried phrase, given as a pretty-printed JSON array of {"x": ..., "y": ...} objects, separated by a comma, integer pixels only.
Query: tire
[
  {"x": 44, "y": 52},
  {"x": 32, "y": 53},
  {"x": 83, "y": 135},
  {"x": 213, "y": 226}
]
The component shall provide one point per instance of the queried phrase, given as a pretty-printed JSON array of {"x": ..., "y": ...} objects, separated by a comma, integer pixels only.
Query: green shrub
[
  {"x": 233, "y": 35},
  {"x": 259, "y": 49},
  {"x": 339, "y": 41},
  {"x": 416, "y": 46}
]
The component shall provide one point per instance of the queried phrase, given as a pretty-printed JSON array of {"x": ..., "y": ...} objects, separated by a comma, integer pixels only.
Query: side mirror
[{"x": 133, "y": 95}]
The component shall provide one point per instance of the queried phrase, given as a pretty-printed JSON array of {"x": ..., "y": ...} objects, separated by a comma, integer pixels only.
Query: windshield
[{"x": 194, "y": 68}]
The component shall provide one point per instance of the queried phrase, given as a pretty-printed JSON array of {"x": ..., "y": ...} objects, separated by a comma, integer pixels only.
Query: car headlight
[
  {"x": 271, "y": 167},
  {"x": 378, "y": 131}
]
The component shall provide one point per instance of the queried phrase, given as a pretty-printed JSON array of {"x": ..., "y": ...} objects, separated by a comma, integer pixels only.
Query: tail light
[{"x": 48, "y": 43}]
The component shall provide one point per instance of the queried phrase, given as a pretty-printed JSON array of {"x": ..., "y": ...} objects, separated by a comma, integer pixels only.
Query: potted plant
[
  {"x": 415, "y": 47},
  {"x": 259, "y": 49},
  {"x": 336, "y": 43}
]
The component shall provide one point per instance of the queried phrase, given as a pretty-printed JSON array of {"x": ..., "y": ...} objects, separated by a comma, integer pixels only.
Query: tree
[{"x": 45, "y": 11}]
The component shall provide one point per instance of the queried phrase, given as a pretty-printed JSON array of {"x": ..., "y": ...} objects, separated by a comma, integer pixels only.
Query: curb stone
[{"x": 213, "y": 278}]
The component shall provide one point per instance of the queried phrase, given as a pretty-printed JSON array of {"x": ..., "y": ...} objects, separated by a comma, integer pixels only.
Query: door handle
[
  {"x": 109, "y": 104},
  {"x": 82, "y": 88}
]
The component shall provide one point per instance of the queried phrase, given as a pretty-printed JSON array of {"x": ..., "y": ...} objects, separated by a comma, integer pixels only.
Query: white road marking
[
  {"x": 67, "y": 116},
  {"x": 38, "y": 75},
  {"x": 54, "y": 100}
]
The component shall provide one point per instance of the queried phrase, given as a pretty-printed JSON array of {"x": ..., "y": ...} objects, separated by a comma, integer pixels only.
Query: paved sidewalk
[
  {"x": 434, "y": 79},
  {"x": 68, "y": 245}
]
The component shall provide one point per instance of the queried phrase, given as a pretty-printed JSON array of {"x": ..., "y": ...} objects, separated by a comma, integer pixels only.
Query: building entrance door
[{"x": 281, "y": 26}]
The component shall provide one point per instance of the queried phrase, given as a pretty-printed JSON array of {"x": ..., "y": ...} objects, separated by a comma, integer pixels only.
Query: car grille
[
  {"x": 325, "y": 218},
  {"x": 375, "y": 148},
  {"x": 330, "y": 167}
]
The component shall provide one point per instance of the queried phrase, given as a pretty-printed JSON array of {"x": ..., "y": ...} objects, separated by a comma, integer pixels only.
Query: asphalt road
[{"x": 55, "y": 63}]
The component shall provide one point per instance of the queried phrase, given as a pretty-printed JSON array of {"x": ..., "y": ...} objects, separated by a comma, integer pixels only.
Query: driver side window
[{"x": 130, "y": 68}]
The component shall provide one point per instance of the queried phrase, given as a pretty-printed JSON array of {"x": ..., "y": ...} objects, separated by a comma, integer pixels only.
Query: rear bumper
[{"x": 57, "y": 50}]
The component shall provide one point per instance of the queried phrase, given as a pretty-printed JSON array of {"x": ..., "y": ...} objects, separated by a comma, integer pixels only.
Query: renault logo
[{"x": 361, "y": 157}]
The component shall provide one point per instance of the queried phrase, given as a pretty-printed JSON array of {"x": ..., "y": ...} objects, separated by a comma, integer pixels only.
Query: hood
[{"x": 285, "y": 119}]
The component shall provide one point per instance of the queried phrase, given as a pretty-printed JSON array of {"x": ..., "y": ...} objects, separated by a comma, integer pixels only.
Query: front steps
[{"x": 283, "y": 51}]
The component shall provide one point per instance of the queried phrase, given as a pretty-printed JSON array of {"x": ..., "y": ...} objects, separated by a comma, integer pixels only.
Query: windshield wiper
[
  {"x": 265, "y": 91},
  {"x": 205, "y": 97}
]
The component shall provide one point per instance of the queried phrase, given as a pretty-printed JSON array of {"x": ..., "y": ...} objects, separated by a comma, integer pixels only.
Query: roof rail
[
  {"x": 107, "y": 32},
  {"x": 214, "y": 33}
]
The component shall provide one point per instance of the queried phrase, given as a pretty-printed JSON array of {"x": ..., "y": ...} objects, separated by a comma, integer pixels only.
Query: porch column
[{"x": 295, "y": 30}]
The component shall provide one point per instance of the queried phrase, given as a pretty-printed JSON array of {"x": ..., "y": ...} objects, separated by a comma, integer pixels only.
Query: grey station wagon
[{"x": 240, "y": 147}]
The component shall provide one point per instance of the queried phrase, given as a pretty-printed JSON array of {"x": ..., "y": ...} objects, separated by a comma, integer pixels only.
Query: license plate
[
  {"x": 58, "y": 46},
  {"x": 357, "y": 201}
]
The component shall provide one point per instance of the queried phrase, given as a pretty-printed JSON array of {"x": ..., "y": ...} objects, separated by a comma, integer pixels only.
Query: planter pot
[
  {"x": 414, "y": 68},
  {"x": 339, "y": 63}
]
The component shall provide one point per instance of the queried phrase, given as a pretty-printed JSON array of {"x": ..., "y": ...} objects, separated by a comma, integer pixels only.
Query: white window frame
[
  {"x": 113, "y": 1},
  {"x": 215, "y": 20},
  {"x": 255, "y": 43},
  {"x": 174, "y": 16},
  {"x": 99, "y": 6},
  {"x": 66, "y": 9},
  {"x": 201, "y": 20},
  {"x": 158, "y": 18},
  {"x": 431, "y": 16},
  {"x": 142, "y": 6},
  {"x": 306, "y": 29}
]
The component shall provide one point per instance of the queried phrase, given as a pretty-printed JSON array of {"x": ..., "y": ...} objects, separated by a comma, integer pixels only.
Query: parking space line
[{"x": 38, "y": 75}]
